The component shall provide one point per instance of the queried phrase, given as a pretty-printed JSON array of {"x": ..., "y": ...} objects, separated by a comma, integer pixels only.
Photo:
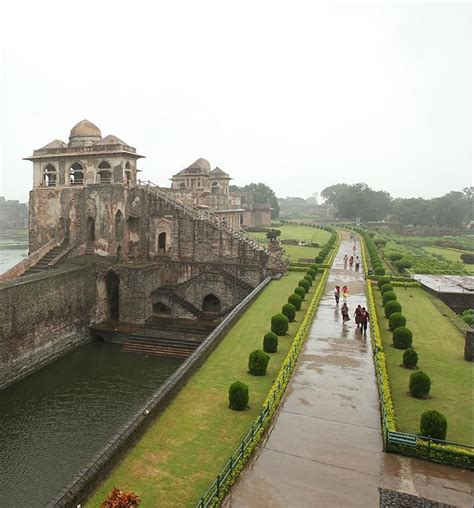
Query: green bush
[
  {"x": 420, "y": 384},
  {"x": 433, "y": 424},
  {"x": 238, "y": 396},
  {"x": 386, "y": 288},
  {"x": 304, "y": 284},
  {"x": 380, "y": 241},
  {"x": 391, "y": 307},
  {"x": 382, "y": 281},
  {"x": 300, "y": 291},
  {"x": 410, "y": 359},
  {"x": 289, "y": 310},
  {"x": 314, "y": 267},
  {"x": 396, "y": 320},
  {"x": 402, "y": 337},
  {"x": 380, "y": 270},
  {"x": 258, "y": 361},
  {"x": 270, "y": 342},
  {"x": 395, "y": 256},
  {"x": 312, "y": 273},
  {"x": 280, "y": 324},
  {"x": 388, "y": 297},
  {"x": 309, "y": 279},
  {"x": 402, "y": 264},
  {"x": 295, "y": 300},
  {"x": 468, "y": 316}
]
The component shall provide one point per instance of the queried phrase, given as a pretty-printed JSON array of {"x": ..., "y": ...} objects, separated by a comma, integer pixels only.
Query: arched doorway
[
  {"x": 118, "y": 226},
  {"x": 112, "y": 286},
  {"x": 162, "y": 242},
  {"x": 211, "y": 303},
  {"x": 161, "y": 309},
  {"x": 90, "y": 231}
]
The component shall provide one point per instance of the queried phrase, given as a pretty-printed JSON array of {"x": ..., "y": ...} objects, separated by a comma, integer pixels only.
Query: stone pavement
[{"x": 324, "y": 448}]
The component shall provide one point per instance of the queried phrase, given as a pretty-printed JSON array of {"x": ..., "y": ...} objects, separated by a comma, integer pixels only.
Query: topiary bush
[
  {"x": 386, "y": 288},
  {"x": 312, "y": 273},
  {"x": 300, "y": 291},
  {"x": 410, "y": 359},
  {"x": 309, "y": 279},
  {"x": 467, "y": 258},
  {"x": 258, "y": 361},
  {"x": 402, "y": 337},
  {"x": 280, "y": 324},
  {"x": 314, "y": 267},
  {"x": 270, "y": 342},
  {"x": 304, "y": 284},
  {"x": 420, "y": 384},
  {"x": 379, "y": 270},
  {"x": 382, "y": 281},
  {"x": 388, "y": 297},
  {"x": 238, "y": 396},
  {"x": 289, "y": 310},
  {"x": 395, "y": 256},
  {"x": 391, "y": 307},
  {"x": 433, "y": 424},
  {"x": 396, "y": 320},
  {"x": 295, "y": 300}
]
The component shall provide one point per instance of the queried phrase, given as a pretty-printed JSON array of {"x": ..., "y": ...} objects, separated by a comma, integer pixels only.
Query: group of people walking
[
  {"x": 351, "y": 261},
  {"x": 361, "y": 314}
]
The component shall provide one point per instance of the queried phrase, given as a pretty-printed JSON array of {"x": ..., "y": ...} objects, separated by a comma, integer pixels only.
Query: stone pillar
[{"x": 469, "y": 346}]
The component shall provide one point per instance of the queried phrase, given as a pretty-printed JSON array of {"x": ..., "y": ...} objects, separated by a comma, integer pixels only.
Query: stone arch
[
  {"x": 159, "y": 308},
  {"x": 49, "y": 176},
  {"x": 90, "y": 224},
  {"x": 211, "y": 303},
  {"x": 112, "y": 288},
  {"x": 215, "y": 188},
  {"x": 162, "y": 242},
  {"x": 76, "y": 174},
  {"x": 119, "y": 226},
  {"x": 104, "y": 173}
]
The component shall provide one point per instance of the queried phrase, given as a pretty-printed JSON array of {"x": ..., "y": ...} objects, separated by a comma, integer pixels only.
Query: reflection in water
[
  {"x": 11, "y": 257},
  {"x": 54, "y": 421}
]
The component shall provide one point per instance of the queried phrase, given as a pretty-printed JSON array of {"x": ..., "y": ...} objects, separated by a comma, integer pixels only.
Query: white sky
[{"x": 296, "y": 94}]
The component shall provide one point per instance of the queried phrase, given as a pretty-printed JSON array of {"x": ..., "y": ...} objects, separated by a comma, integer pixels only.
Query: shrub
[
  {"x": 279, "y": 324},
  {"x": 395, "y": 256},
  {"x": 402, "y": 337},
  {"x": 119, "y": 499},
  {"x": 295, "y": 300},
  {"x": 258, "y": 361},
  {"x": 467, "y": 258},
  {"x": 304, "y": 284},
  {"x": 380, "y": 242},
  {"x": 410, "y": 358},
  {"x": 433, "y": 424},
  {"x": 396, "y": 320},
  {"x": 386, "y": 288},
  {"x": 289, "y": 310},
  {"x": 420, "y": 384},
  {"x": 270, "y": 342},
  {"x": 300, "y": 291},
  {"x": 468, "y": 316},
  {"x": 379, "y": 270},
  {"x": 309, "y": 279},
  {"x": 402, "y": 264},
  {"x": 382, "y": 281},
  {"x": 391, "y": 307},
  {"x": 388, "y": 297},
  {"x": 312, "y": 273},
  {"x": 238, "y": 396},
  {"x": 314, "y": 267}
]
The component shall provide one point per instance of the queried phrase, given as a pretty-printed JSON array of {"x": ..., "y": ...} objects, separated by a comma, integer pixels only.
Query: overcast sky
[{"x": 298, "y": 95}]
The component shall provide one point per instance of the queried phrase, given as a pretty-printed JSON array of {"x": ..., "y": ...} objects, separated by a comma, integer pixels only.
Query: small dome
[
  {"x": 201, "y": 163},
  {"x": 85, "y": 129},
  {"x": 56, "y": 143},
  {"x": 110, "y": 140}
]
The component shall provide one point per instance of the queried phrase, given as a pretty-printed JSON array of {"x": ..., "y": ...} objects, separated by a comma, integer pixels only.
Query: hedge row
[
  {"x": 373, "y": 251},
  {"x": 323, "y": 253}
]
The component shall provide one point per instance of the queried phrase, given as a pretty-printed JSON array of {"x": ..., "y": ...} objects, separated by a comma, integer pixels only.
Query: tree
[
  {"x": 273, "y": 234},
  {"x": 258, "y": 194}
]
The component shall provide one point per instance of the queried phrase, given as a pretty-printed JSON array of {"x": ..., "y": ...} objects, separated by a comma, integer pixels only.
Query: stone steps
[{"x": 160, "y": 346}]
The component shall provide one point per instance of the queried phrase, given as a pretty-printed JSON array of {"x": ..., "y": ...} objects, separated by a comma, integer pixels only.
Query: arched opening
[
  {"x": 128, "y": 173},
  {"x": 90, "y": 230},
  {"x": 118, "y": 226},
  {"x": 160, "y": 308},
  {"x": 104, "y": 175},
  {"x": 241, "y": 219},
  {"x": 76, "y": 174},
  {"x": 119, "y": 251},
  {"x": 112, "y": 286},
  {"x": 215, "y": 188},
  {"x": 182, "y": 185},
  {"x": 211, "y": 303},
  {"x": 162, "y": 242},
  {"x": 49, "y": 176}
]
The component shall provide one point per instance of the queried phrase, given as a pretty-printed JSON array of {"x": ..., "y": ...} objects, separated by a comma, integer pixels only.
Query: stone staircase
[
  {"x": 160, "y": 346},
  {"x": 43, "y": 263},
  {"x": 178, "y": 300},
  {"x": 239, "y": 282}
]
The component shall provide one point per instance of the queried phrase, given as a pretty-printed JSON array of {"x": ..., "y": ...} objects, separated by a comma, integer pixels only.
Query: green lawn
[
  {"x": 450, "y": 255},
  {"x": 182, "y": 452},
  {"x": 440, "y": 347},
  {"x": 297, "y": 252}
]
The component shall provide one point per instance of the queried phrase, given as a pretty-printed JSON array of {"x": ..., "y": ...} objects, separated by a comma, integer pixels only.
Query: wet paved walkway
[{"x": 325, "y": 447}]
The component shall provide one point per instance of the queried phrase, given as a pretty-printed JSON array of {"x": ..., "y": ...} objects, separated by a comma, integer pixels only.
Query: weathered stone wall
[
  {"x": 458, "y": 302},
  {"x": 42, "y": 317}
]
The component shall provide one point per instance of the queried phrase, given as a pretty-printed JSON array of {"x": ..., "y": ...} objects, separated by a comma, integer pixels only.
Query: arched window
[
  {"x": 182, "y": 185},
  {"x": 118, "y": 226},
  {"x": 76, "y": 174},
  {"x": 215, "y": 188},
  {"x": 127, "y": 166},
  {"x": 104, "y": 175},
  {"x": 49, "y": 176},
  {"x": 90, "y": 230},
  {"x": 211, "y": 303},
  {"x": 162, "y": 241}
]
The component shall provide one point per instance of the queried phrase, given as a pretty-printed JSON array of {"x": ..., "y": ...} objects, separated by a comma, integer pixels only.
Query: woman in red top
[{"x": 357, "y": 315}]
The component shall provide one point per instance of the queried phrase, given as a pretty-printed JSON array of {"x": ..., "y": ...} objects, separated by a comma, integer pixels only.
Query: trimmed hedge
[
  {"x": 391, "y": 307},
  {"x": 410, "y": 358},
  {"x": 258, "y": 361},
  {"x": 300, "y": 291},
  {"x": 388, "y": 297},
  {"x": 238, "y": 396},
  {"x": 386, "y": 288},
  {"x": 402, "y": 337},
  {"x": 312, "y": 273},
  {"x": 433, "y": 424},
  {"x": 270, "y": 342},
  {"x": 295, "y": 300},
  {"x": 420, "y": 384},
  {"x": 280, "y": 324},
  {"x": 304, "y": 284},
  {"x": 396, "y": 320},
  {"x": 309, "y": 279},
  {"x": 289, "y": 311}
]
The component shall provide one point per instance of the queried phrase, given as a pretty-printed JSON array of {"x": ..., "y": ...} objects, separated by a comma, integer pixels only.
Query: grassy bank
[
  {"x": 440, "y": 348},
  {"x": 186, "y": 447}
]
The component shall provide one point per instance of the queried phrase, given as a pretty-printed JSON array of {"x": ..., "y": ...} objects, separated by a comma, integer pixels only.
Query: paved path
[{"x": 325, "y": 448}]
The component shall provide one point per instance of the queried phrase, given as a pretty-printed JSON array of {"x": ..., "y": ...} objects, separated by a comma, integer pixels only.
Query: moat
[{"x": 55, "y": 420}]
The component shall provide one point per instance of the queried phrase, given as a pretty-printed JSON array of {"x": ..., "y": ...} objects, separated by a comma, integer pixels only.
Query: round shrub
[
  {"x": 410, "y": 359},
  {"x": 395, "y": 256},
  {"x": 279, "y": 324},
  {"x": 313, "y": 266},
  {"x": 386, "y": 288},
  {"x": 380, "y": 241},
  {"x": 304, "y": 284},
  {"x": 388, "y": 297},
  {"x": 270, "y": 342},
  {"x": 238, "y": 396},
  {"x": 433, "y": 424},
  {"x": 295, "y": 300},
  {"x": 402, "y": 337},
  {"x": 467, "y": 258},
  {"x": 258, "y": 361},
  {"x": 382, "y": 281},
  {"x": 312, "y": 273},
  {"x": 380, "y": 270},
  {"x": 420, "y": 384},
  {"x": 391, "y": 307},
  {"x": 309, "y": 279},
  {"x": 300, "y": 291},
  {"x": 289, "y": 311},
  {"x": 396, "y": 320}
]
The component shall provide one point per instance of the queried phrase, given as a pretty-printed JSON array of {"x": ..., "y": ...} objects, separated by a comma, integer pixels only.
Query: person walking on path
[
  {"x": 364, "y": 320},
  {"x": 345, "y": 293},
  {"x": 345, "y": 261},
  {"x": 357, "y": 315},
  {"x": 345, "y": 313},
  {"x": 357, "y": 264},
  {"x": 351, "y": 261},
  {"x": 337, "y": 294}
]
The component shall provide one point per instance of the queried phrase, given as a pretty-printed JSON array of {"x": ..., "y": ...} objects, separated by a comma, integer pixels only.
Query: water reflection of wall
[{"x": 10, "y": 257}]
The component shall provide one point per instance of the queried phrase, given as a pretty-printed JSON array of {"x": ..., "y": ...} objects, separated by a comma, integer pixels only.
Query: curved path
[{"x": 324, "y": 448}]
